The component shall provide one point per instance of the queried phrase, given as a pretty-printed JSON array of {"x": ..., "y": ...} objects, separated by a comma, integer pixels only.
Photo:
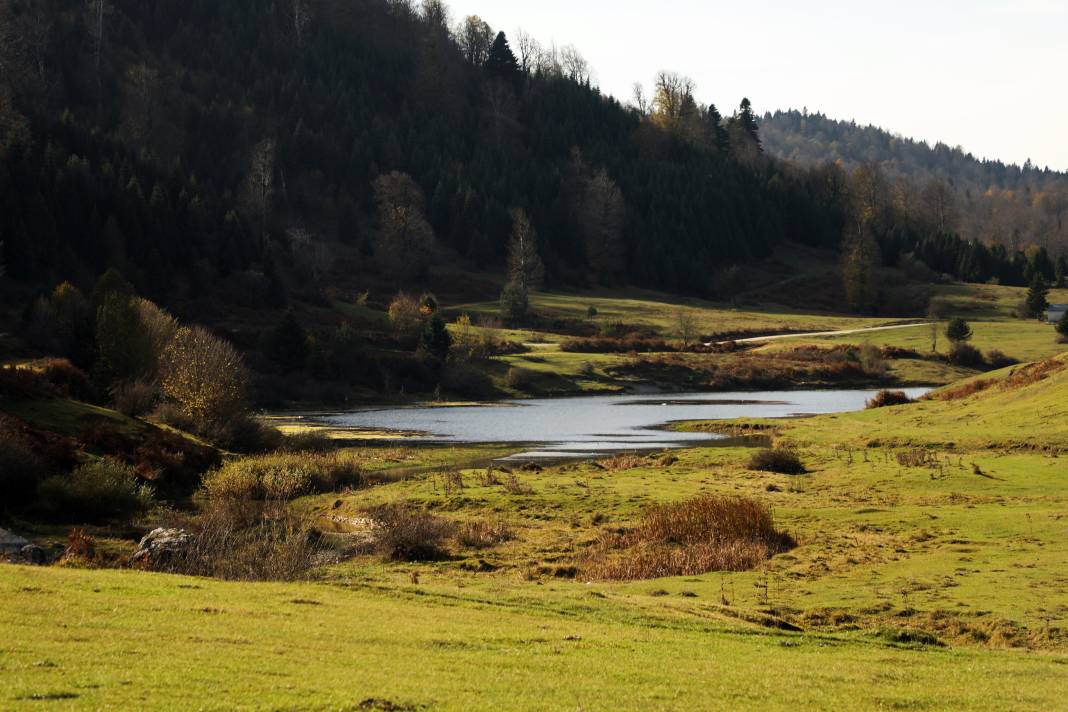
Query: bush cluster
[
  {"x": 405, "y": 533},
  {"x": 783, "y": 461},
  {"x": 95, "y": 493},
  {"x": 886, "y": 399},
  {"x": 283, "y": 476}
]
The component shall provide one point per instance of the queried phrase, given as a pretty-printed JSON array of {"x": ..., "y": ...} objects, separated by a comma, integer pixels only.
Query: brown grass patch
[
  {"x": 707, "y": 533},
  {"x": 483, "y": 534},
  {"x": 627, "y": 461}
]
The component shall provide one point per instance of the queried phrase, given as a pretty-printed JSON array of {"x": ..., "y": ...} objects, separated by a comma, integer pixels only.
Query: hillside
[
  {"x": 227, "y": 153},
  {"x": 983, "y": 200}
]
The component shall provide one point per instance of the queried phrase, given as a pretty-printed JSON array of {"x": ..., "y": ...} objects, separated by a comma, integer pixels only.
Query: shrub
[
  {"x": 483, "y": 534},
  {"x": 434, "y": 339},
  {"x": 998, "y": 360},
  {"x": 519, "y": 378},
  {"x": 134, "y": 398},
  {"x": 245, "y": 542},
  {"x": 707, "y": 533},
  {"x": 404, "y": 533},
  {"x": 871, "y": 360},
  {"x": 95, "y": 493},
  {"x": 204, "y": 375},
  {"x": 283, "y": 476},
  {"x": 885, "y": 399},
  {"x": 20, "y": 467},
  {"x": 965, "y": 356},
  {"x": 69, "y": 380},
  {"x": 466, "y": 380},
  {"x": 631, "y": 343},
  {"x": 405, "y": 316},
  {"x": 783, "y": 461},
  {"x": 243, "y": 433}
]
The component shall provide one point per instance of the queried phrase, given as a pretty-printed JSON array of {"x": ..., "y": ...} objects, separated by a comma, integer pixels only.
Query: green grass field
[
  {"x": 990, "y": 309},
  {"x": 931, "y": 572}
]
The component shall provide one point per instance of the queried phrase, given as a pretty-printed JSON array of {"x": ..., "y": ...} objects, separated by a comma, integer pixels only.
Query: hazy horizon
[{"x": 932, "y": 71}]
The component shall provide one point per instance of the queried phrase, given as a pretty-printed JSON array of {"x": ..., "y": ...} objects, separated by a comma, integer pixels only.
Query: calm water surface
[{"x": 593, "y": 425}]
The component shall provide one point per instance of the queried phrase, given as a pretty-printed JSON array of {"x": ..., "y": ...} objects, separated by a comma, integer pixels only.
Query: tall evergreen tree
[
  {"x": 502, "y": 62},
  {"x": 1037, "y": 301}
]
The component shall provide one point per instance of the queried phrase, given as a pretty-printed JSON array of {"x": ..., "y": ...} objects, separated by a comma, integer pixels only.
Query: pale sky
[{"x": 988, "y": 75}]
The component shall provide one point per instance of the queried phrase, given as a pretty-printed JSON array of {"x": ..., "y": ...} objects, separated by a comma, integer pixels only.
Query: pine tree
[
  {"x": 1037, "y": 302},
  {"x": 435, "y": 339},
  {"x": 502, "y": 62},
  {"x": 747, "y": 120},
  {"x": 958, "y": 331}
]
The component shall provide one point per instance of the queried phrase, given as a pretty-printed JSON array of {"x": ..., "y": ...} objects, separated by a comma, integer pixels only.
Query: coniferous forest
[{"x": 190, "y": 143}]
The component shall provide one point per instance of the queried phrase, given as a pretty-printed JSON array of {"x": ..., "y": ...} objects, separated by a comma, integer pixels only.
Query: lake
[{"x": 594, "y": 425}]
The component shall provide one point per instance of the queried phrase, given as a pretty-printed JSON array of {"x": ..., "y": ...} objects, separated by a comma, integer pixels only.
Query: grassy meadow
[{"x": 929, "y": 568}]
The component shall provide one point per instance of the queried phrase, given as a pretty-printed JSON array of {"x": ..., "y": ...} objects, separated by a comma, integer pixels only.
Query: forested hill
[
  {"x": 992, "y": 201},
  {"x": 185, "y": 141}
]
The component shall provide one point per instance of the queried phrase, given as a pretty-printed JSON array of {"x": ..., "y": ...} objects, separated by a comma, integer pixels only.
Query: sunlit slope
[{"x": 1023, "y": 407}]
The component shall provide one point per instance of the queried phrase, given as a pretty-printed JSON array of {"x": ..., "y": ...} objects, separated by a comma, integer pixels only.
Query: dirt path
[{"x": 812, "y": 334}]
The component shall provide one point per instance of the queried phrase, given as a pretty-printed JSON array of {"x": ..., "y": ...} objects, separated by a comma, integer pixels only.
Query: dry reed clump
[
  {"x": 626, "y": 461},
  {"x": 916, "y": 458},
  {"x": 707, "y": 533},
  {"x": 483, "y": 534},
  {"x": 513, "y": 485},
  {"x": 246, "y": 541},
  {"x": 283, "y": 476},
  {"x": 886, "y": 399},
  {"x": 405, "y": 533},
  {"x": 783, "y": 461}
]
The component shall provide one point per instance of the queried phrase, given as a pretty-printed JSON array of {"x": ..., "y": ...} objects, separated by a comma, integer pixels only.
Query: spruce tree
[
  {"x": 1037, "y": 302},
  {"x": 958, "y": 331},
  {"x": 289, "y": 343},
  {"x": 435, "y": 339},
  {"x": 502, "y": 62}
]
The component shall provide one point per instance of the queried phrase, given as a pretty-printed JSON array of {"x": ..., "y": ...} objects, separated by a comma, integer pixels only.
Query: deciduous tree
[{"x": 405, "y": 238}]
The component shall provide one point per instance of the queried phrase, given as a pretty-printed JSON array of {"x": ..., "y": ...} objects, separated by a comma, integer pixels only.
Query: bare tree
[
  {"x": 300, "y": 12},
  {"x": 600, "y": 212},
  {"x": 405, "y": 239},
  {"x": 524, "y": 263},
  {"x": 639, "y": 99},
  {"x": 530, "y": 52},
  {"x": 674, "y": 107},
  {"x": 99, "y": 10},
  {"x": 260, "y": 182},
  {"x": 312, "y": 254},
  {"x": 687, "y": 326},
  {"x": 574, "y": 65},
  {"x": 501, "y": 110},
  {"x": 475, "y": 38},
  {"x": 435, "y": 14},
  {"x": 940, "y": 206}
]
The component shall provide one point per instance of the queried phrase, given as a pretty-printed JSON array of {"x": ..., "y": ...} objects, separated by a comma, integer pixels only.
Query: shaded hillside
[{"x": 192, "y": 142}]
